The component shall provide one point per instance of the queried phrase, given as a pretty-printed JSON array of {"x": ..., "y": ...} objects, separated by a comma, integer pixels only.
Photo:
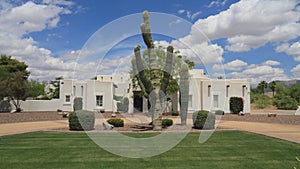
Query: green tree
[
  {"x": 272, "y": 86},
  {"x": 36, "y": 88},
  {"x": 14, "y": 83},
  {"x": 285, "y": 102},
  {"x": 54, "y": 90},
  {"x": 262, "y": 86},
  {"x": 294, "y": 92}
]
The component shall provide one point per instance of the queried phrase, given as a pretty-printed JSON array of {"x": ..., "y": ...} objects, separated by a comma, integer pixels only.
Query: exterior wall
[
  {"x": 95, "y": 88},
  {"x": 206, "y": 92},
  {"x": 41, "y": 105}
]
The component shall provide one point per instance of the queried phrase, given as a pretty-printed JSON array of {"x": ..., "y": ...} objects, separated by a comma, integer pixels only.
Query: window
[
  {"x": 243, "y": 90},
  {"x": 216, "y": 101},
  {"x": 82, "y": 91},
  {"x": 190, "y": 101},
  {"x": 209, "y": 86},
  {"x": 74, "y": 90},
  {"x": 99, "y": 101},
  {"x": 68, "y": 98},
  {"x": 227, "y": 90}
]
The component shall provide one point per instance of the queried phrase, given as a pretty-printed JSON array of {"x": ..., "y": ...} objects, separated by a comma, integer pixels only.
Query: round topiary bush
[
  {"x": 204, "y": 120},
  {"x": 167, "y": 123},
  {"x": 116, "y": 122},
  {"x": 81, "y": 120}
]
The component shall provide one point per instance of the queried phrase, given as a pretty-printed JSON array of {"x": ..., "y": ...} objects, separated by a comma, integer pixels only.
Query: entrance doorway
[{"x": 138, "y": 101}]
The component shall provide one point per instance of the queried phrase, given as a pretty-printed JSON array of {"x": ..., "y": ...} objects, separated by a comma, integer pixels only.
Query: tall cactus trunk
[
  {"x": 154, "y": 87},
  {"x": 184, "y": 92}
]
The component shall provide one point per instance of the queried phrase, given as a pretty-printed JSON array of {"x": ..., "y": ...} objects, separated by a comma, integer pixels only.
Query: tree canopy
[{"x": 14, "y": 75}]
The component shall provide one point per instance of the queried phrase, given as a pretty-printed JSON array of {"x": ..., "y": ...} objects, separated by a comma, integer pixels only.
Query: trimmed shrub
[
  {"x": 236, "y": 104},
  {"x": 77, "y": 104},
  {"x": 203, "y": 120},
  {"x": 175, "y": 113},
  {"x": 219, "y": 112},
  {"x": 81, "y": 120},
  {"x": 116, "y": 122},
  {"x": 167, "y": 123}
]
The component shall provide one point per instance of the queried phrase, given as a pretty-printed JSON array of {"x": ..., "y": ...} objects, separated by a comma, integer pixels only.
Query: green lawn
[{"x": 225, "y": 149}]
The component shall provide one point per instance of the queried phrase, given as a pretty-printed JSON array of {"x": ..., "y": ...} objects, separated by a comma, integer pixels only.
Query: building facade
[{"x": 105, "y": 91}]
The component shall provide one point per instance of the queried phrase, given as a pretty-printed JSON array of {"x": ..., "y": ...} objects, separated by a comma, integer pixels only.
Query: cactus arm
[
  {"x": 136, "y": 75},
  {"x": 184, "y": 92},
  {"x": 145, "y": 28},
  {"x": 144, "y": 82},
  {"x": 167, "y": 70}
]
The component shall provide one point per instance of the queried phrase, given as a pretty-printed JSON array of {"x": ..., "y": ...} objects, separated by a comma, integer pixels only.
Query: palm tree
[
  {"x": 262, "y": 86},
  {"x": 272, "y": 86}
]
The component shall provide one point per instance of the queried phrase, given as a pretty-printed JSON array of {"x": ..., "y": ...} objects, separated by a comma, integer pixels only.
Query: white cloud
[
  {"x": 217, "y": 3},
  {"x": 200, "y": 53},
  {"x": 296, "y": 71},
  {"x": 258, "y": 73},
  {"x": 17, "y": 22},
  {"x": 59, "y": 2},
  {"x": 181, "y": 11},
  {"x": 293, "y": 50},
  {"x": 235, "y": 65},
  {"x": 271, "y": 63},
  {"x": 249, "y": 24}
]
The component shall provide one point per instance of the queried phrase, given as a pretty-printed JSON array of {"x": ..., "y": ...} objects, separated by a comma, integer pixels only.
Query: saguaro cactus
[
  {"x": 154, "y": 87},
  {"x": 184, "y": 92}
]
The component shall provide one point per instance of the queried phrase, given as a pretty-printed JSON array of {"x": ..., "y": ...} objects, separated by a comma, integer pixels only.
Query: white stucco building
[{"x": 204, "y": 94}]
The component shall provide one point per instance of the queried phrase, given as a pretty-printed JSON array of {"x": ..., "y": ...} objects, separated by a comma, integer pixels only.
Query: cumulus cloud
[
  {"x": 235, "y": 65},
  {"x": 271, "y": 63},
  {"x": 256, "y": 73},
  {"x": 293, "y": 50},
  {"x": 17, "y": 22},
  {"x": 296, "y": 71},
  {"x": 244, "y": 30}
]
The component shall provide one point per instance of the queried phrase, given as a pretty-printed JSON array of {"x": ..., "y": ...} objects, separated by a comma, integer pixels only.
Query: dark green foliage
[
  {"x": 204, "y": 120},
  {"x": 262, "y": 86},
  {"x": 167, "y": 122},
  {"x": 116, "y": 122},
  {"x": 285, "y": 102},
  {"x": 261, "y": 101},
  {"x": 54, "y": 92},
  {"x": 295, "y": 92},
  {"x": 36, "y": 89},
  {"x": 81, "y": 120},
  {"x": 5, "y": 106},
  {"x": 175, "y": 113},
  {"x": 123, "y": 104},
  {"x": 13, "y": 80},
  {"x": 219, "y": 112},
  {"x": 272, "y": 86},
  {"x": 77, "y": 104},
  {"x": 236, "y": 104}
]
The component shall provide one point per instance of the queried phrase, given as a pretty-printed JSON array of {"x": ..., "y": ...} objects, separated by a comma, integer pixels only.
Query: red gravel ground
[
  {"x": 29, "y": 116},
  {"x": 49, "y": 116}
]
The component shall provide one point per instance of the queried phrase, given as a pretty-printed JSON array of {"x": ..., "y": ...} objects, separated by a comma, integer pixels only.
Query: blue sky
[{"x": 253, "y": 39}]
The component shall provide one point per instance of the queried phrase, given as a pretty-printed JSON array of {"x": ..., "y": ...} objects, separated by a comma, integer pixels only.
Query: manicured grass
[{"x": 225, "y": 149}]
